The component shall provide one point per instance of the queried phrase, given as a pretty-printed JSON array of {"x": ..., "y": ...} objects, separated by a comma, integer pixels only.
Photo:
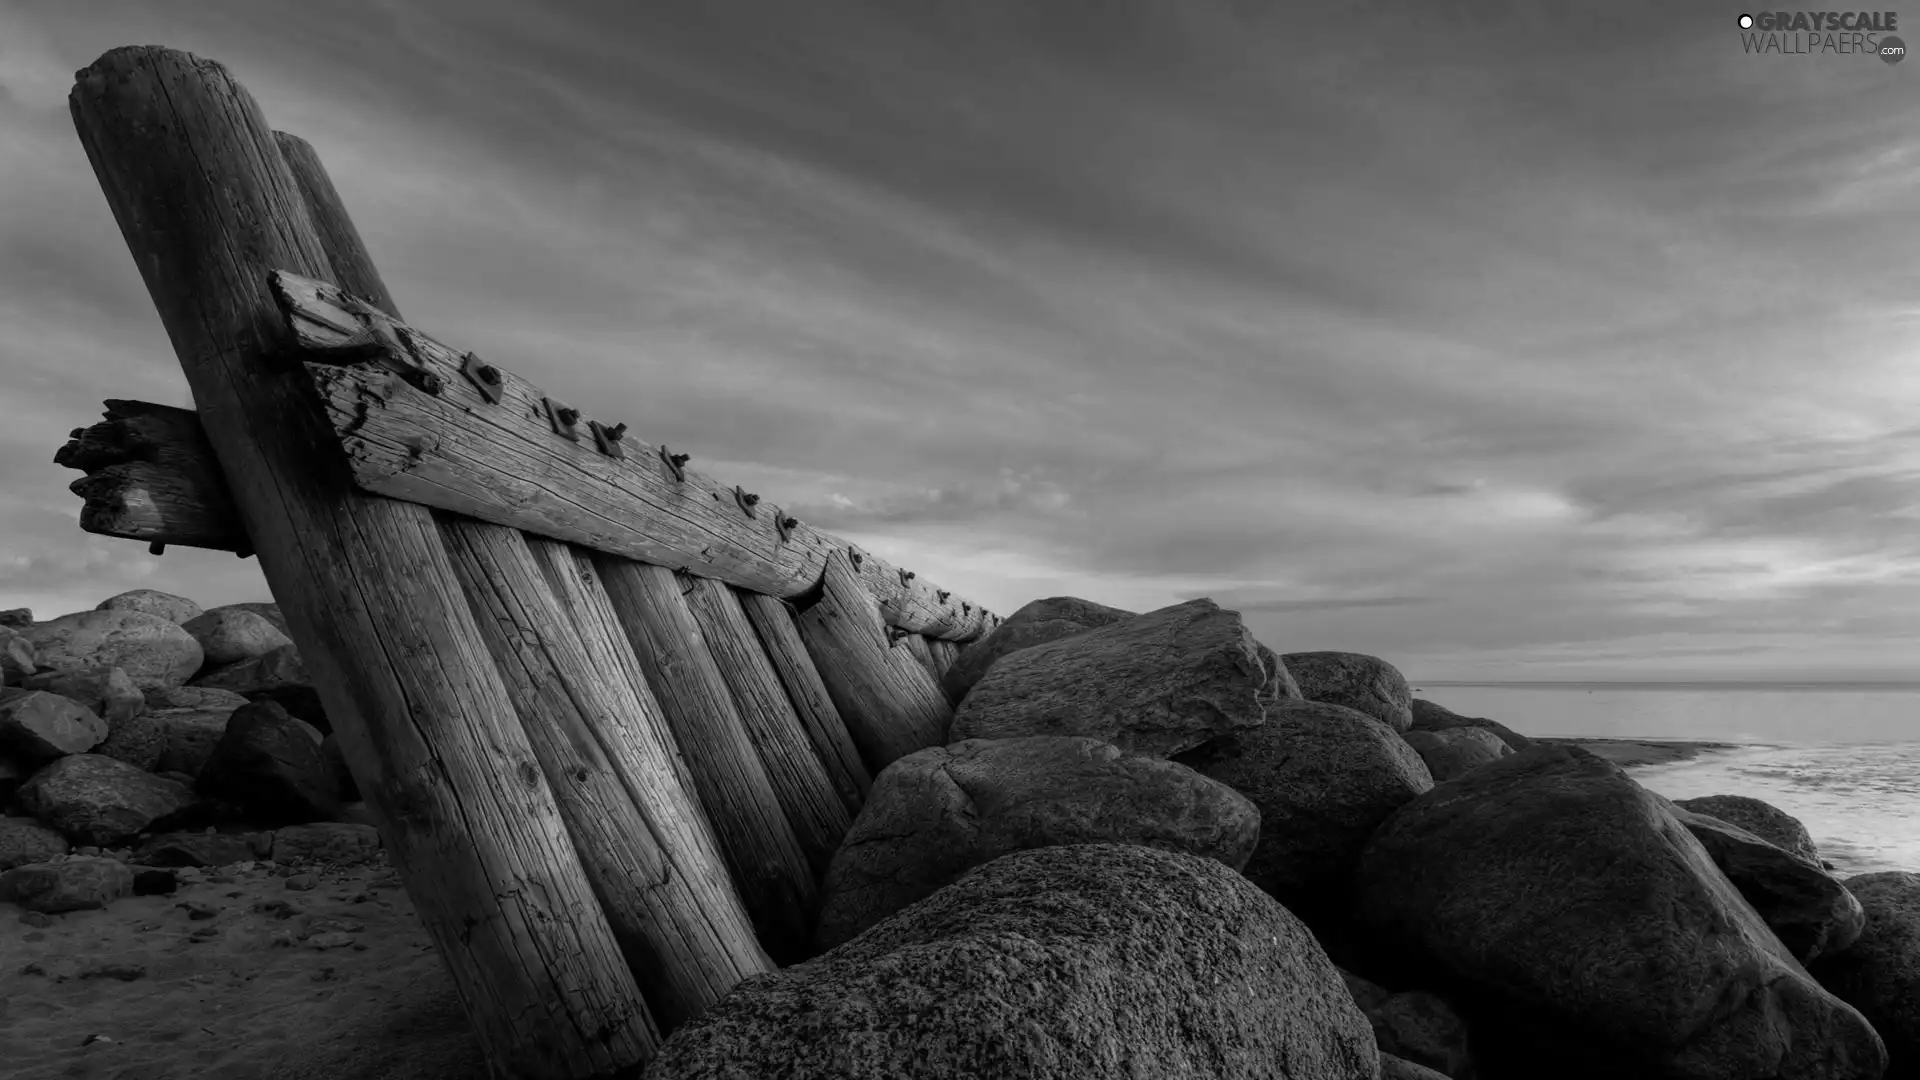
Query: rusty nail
[
  {"x": 488, "y": 374},
  {"x": 750, "y": 499},
  {"x": 788, "y": 523},
  {"x": 854, "y": 557},
  {"x": 942, "y": 594},
  {"x": 617, "y": 432},
  {"x": 906, "y": 576},
  {"x": 682, "y": 459},
  {"x": 156, "y": 548},
  {"x": 568, "y": 415},
  {"x": 431, "y": 383},
  {"x": 966, "y": 607}
]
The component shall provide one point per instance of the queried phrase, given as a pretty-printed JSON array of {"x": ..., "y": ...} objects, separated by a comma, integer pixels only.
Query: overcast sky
[{"x": 1499, "y": 343}]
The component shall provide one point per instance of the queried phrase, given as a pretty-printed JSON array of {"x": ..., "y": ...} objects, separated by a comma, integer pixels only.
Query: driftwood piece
[
  {"x": 151, "y": 476},
  {"x": 772, "y": 621},
  {"x": 799, "y": 778},
  {"x": 889, "y": 702},
  {"x": 419, "y": 421},
  {"x": 944, "y": 654},
  {"x": 208, "y": 208},
  {"x": 769, "y": 868}
]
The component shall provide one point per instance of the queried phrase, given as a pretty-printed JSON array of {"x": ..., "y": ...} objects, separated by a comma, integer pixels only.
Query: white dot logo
[{"x": 1746, "y": 22}]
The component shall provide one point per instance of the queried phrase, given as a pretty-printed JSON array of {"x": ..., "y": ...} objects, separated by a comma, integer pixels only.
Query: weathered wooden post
[
  {"x": 769, "y": 867},
  {"x": 922, "y": 651},
  {"x": 890, "y": 703},
  {"x": 772, "y": 621},
  {"x": 208, "y": 208},
  {"x": 620, "y": 807},
  {"x": 944, "y": 654},
  {"x": 799, "y": 778}
]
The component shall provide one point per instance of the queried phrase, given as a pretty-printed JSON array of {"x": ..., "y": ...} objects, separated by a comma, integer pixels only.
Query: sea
[{"x": 1844, "y": 758}]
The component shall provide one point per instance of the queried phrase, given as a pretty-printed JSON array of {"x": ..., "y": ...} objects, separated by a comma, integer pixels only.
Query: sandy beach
[
  {"x": 1627, "y": 753},
  {"x": 242, "y": 974}
]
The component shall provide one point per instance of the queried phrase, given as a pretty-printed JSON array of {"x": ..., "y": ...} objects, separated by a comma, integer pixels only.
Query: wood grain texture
[
  {"x": 769, "y": 868},
  {"x": 152, "y": 476},
  {"x": 917, "y": 645},
  {"x": 772, "y": 621},
  {"x": 799, "y": 778},
  {"x": 944, "y": 654},
  {"x": 890, "y": 704},
  {"x": 452, "y": 448},
  {"x": 208, "y": 207}
]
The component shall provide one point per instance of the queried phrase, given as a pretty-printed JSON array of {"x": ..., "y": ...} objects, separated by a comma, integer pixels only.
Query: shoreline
[{"x": 1629, "y": 753}]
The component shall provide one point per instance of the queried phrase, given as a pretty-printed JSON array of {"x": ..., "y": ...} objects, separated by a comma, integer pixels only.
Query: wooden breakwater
[{"x": 611, "y": 715}]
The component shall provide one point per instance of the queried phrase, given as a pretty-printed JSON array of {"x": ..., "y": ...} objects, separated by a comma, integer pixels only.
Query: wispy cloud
[{"x": 1498, "y": 341}]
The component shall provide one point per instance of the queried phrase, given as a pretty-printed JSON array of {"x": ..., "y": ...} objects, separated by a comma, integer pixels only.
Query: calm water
[{"x": 1844, "y": 759}]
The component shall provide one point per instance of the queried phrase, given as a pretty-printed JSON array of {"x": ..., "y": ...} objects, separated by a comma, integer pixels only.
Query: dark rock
[
  {"x": 151, "y": 650},
  {"x": 271, "y": 767},
  {"x": 76, "y": 883},
  {"x": 140, "y": 741},
  {"x": 24, "y": 840},
  {"x": 1363, "y": 683},
  {"x": 337, "y": 763},
  {"x": 1807, "y": 908},
  {"x": 189, "y": 736},
  {"x": 267, "y": 611},
  {"x": 336, "y": 842},
  {"x": 1414, "y": 1025},
  {"x": 1880, "y": 973},
  {"x": 278, "y": 676},
  {"x": 935, "y": 814},
  {"x": 175, "y": 609},
  {"x": 1323, "y": 777},
  {"x": 16, "y": 657},
  {"x": 200, "y": 848},
  {"x": 148, "y": 881},
  {"x": 99, "y": 800},
  {"x": 16, "y": 618},
  {"x": 13, "y": 773},
  {"x": 1768, "y": 822},
  {"x": 1456, "y": 751},
  {"x": 1085, "y": 962},
  {"x": 1154, "y": 684},
  {"x": 38, "y": 726},
  {"x": 1430, "y": 717},
  {"x": 229, "y": 635},
  {"x": 1564, "y": 910}
]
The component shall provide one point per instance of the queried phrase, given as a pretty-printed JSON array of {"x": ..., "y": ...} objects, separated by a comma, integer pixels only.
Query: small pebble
[
  {"x": 205, "y": 933},
  {"x": 198, "y": 910},
  {"x": 302, "y": 882}
]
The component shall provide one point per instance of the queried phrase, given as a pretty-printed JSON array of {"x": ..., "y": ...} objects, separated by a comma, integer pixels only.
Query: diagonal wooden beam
[{"x": 421, "y": 421}]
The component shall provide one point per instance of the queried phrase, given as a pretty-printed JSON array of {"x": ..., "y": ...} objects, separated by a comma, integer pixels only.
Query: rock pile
[{"x": 149, "y": 735}]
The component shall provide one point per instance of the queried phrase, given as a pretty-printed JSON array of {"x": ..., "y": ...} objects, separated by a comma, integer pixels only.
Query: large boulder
[
  {"x": 151, "y": 650},
  {"x": 37, "y": 726},
  {"x": 105, "y": 689},
  {"x": 1034, "y": 624},
  {"x": 935, "y": 814},
  {"x": 1428, "y": 716},
  {"x": 1323, "y": 777},
  {"x": 1880, "y": 973},
  {"x": 77, "y": 883},
  {"x": 24, "y": 840},
  {"x": 1562, "y": 907},
  {"x": 100, "y": 800},
  {"x": 278, "y": 676},
  {"x": 1363, "y": 683},
  {"x": 16, "y": 657},
  {"x": 1764, "y": 820},
  {"x": 1414, "y": 1025},
  {"x": 1456, "y": 751},
  {"x": 194, "y": 697},
  {"x": 1807, "y": 908},
  {"x": 266, "y": 610},
  {"x": 139, "y": 740},
  {"x": 175, "y": 609},
  {"x": 16, "y": 618},
  {"x": 231, "y": 634},
  {"x": 270, "y": 764},
  {"x": 188, "y": 736},
  {"x": 1154, "y": 684},
  {"x": 1085, "y": 962}
]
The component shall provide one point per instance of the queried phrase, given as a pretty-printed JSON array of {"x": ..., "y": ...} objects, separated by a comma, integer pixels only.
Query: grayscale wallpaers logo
[{"x": 1857, "y": 33}]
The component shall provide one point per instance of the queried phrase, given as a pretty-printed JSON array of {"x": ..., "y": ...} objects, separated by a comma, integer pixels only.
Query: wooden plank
[
  {"x": 415, "y": 427},
  {"x": 799, "y": 778},
  {"x": 207, "y": 207},
  {"x": 772, "y": 621},
  {"x": 891, "y": 705},
  {"x": 917, "y": 645},
  {"x": 151, "y": 476},
  {"x": 944, "y": 654},
  {"x": 602, "y": 744},
  {"x": 769, "y": 868}
]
